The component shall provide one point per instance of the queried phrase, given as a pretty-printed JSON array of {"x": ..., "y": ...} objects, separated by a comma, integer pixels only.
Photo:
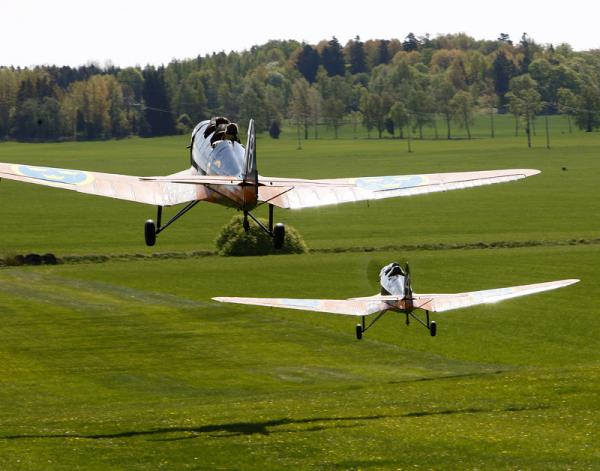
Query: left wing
[
  {"x": 448, "y": 302},
  {"x": 349, "y": 307},
  {"x": 150, "y": 190},
  {"x": 298, "y": 193}
]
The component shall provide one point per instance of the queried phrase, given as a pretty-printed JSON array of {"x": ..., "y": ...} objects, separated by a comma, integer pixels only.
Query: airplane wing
[
  {"x": 299, "y": 193},
  {"x": 131, "y": 188},
  {"x": 349, "y": 307},
  {"x": 448, "y": 302}
]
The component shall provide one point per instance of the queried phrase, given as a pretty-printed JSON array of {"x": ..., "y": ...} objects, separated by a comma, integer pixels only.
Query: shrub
[
  {"x": 275, "y": 130},
  {"x": 234, "y": 241},
  {"x": 14, "y": 260}
]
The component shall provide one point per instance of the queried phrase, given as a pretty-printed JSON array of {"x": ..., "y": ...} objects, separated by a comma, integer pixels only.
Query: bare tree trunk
[{"x": 528, "y": 128}]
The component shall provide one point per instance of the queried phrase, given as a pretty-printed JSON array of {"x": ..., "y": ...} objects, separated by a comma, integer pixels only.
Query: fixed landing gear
[
  {"x": 152, "y": 229},
  {"x": 359, "y": 331},
  {"x": 150, "y": 232},
  {"x": 429, "y": 325},
  {"x": 432, "y": 328},
  {"x": 277, "y": 233}
]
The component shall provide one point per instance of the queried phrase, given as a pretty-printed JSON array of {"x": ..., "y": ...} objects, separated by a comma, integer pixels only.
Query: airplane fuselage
[{"x": 215, "y": 152}]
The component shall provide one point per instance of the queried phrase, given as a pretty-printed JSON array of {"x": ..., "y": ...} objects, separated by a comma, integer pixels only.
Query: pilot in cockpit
[
  {"x": 222, "y": 130},
  {"x": 232, "y": 133}
]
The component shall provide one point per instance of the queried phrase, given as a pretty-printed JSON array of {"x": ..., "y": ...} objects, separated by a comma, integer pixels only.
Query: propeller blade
[
  {"x": 372, "y": 270},
  {"x": 407, "y": 283}
]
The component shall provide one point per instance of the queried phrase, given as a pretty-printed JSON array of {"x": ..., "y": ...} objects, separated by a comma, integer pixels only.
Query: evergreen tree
[
  {"x": 158, "y": 109},
  {"x": 411, "y": 43},
  {"x": 274, "y": 130},
  {"x": 526, "y": 49},
  {"x": 357, "y": 58},
  {"x": 502, "y": 72},
  {"x": 308, "y": 63},
  {"x": 332, "y": 58},
  {"x": 383, "y": 53}
]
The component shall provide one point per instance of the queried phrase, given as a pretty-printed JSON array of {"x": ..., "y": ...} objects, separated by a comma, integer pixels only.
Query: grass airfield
[{"x": 129, "y": 365}]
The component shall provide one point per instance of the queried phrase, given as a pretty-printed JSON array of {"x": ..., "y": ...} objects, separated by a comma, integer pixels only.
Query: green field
[{"x": 129, "y": 365}]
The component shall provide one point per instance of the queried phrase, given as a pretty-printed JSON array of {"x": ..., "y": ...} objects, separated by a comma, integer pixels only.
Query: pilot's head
[{"x": 394, "y": 269}]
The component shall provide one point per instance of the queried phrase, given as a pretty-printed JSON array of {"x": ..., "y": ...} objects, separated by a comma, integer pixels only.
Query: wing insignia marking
[{"x": 55, "y": 175}]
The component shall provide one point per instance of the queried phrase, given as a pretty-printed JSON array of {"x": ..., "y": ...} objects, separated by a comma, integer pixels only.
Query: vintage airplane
[
  {"x": 223, "y": 171},
  {"x": 397, "y": 295}
]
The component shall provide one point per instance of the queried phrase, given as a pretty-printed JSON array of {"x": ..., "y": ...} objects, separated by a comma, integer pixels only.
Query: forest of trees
[{"x": 389, "y": 86}]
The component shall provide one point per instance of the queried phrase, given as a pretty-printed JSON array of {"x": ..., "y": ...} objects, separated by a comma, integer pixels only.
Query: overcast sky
[{"x": 130, "y": 32}]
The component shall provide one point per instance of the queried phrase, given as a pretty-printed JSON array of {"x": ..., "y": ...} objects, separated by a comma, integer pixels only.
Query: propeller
[
  {"x": 374, "y": 266},
  {"x": 407, "y": 284}
]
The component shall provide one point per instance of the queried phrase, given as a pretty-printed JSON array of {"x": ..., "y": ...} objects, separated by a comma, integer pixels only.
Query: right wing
[
  {"x": 349, "y": 307},
  {"x": 448, "y": 302},
  {"x": 298, "y": 193}
]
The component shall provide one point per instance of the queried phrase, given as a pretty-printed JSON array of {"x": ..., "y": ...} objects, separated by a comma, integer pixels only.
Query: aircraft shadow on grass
[{"x": 264, "y": 428}]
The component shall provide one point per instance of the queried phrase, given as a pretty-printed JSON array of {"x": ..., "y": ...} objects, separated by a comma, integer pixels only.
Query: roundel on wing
[
  {"x": 55, "y": 175},
  {"x": 390, "y": 183}
]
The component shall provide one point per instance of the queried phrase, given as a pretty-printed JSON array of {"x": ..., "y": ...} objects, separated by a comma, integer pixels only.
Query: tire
[
  {"x": 432, "y": 328},
  {"x": 278, "y": 235},
  {"x": 359, "y": 331},
  {"x": 150, "y": 232}
]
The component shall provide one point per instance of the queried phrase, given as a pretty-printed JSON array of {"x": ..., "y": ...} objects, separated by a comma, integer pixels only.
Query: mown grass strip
[{"x": 12, "y": 260}]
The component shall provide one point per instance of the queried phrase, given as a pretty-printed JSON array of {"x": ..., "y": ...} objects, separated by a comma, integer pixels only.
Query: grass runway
[{"x": 129, "y": 365}]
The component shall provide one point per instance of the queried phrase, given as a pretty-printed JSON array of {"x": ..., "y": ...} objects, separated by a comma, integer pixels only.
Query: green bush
[{"x": 233, "y": 240}]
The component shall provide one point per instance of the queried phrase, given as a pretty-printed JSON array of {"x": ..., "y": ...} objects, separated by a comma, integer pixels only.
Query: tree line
[{"x": 388, "y": 86}]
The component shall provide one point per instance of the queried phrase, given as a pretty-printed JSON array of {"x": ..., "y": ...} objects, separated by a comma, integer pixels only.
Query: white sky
[{"x": 130, "y": 32}]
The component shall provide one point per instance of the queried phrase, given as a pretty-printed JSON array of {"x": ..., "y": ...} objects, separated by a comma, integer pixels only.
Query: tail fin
[{"x": 250, "y": 171}]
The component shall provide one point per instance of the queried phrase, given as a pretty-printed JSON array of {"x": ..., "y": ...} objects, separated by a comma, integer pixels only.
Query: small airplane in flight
[
  {"x": 223, "y": 171},
  {"x": 396, "y": 295}
]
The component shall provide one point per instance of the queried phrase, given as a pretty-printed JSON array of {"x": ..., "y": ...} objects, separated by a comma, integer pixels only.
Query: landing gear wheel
[
  {"x": 432, "y": 328},
  {"x": 278, "y": 235},
  {"x": 150, "y": 232},
  {"x": 359, "y": 331}
]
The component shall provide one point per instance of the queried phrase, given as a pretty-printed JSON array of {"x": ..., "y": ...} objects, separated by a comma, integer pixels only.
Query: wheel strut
[
  {"x": 157, "y": 228},
  {"x": 276, "y": 232}
]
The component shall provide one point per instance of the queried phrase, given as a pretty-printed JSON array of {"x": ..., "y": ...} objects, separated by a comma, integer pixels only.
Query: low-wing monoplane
[
  {"x": 223, "y": 171},
  {"x": 397, "y": 295}
]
